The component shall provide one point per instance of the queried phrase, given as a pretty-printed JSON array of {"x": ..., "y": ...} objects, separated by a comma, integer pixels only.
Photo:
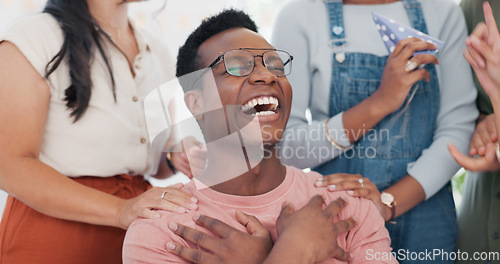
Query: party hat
[{"x": 392, "y": 32}]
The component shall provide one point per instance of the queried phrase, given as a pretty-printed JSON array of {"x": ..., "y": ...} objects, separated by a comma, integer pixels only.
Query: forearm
[
  {"x": 288, "y": 251},
  {"x": 49, "y": 192},
  {"x": 407, "y": 193},
  {"x": 362, "y": 117}
]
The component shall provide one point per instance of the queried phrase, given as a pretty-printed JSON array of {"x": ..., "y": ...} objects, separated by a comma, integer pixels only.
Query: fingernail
[
  {"x": 170, "y": 245},
  {"x": 194, "y": 200},
  {"x": 355, "y": 218},
  {"x": 173, "y": 226},
  {"x": 318, "y": 182},
  {"x": 181, "y": 210},
  {"x": 350, "y": 192},
  {"x": 157, "y": 215},
  {"x": 194, "y": 206},
  {"x": 196, "y": 217},
  {"x": 331, "y": 187},
  {"x": 344, "y": 198}
]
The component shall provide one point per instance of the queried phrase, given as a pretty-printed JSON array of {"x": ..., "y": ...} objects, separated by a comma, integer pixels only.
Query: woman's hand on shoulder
[
  {"x": 170, "y": 198},
  {"x": 357, "y": 186}
]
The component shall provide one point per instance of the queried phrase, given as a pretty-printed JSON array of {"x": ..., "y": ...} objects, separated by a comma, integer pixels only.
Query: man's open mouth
[{"x": 260, "y": 106}]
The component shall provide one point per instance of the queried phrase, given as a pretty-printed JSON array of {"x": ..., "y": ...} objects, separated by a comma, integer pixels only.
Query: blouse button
[
  {"x": 137, "y": 66},
  {"x": 143, "y": 140},
  {"x": 135, "y": 98}
]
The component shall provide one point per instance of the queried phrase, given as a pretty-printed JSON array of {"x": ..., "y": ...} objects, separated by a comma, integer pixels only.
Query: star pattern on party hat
[{"x": 392, "y": 32}]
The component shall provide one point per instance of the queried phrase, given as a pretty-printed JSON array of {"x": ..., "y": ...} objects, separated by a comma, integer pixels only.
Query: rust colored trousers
[{"x": 27, "y": 236}]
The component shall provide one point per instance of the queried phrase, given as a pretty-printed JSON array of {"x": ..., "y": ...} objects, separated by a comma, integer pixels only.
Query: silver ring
[
  {"x": 410, "y": 66},
  {"x": 360, "y": 180},
  {"x": 163, "y": 194}
]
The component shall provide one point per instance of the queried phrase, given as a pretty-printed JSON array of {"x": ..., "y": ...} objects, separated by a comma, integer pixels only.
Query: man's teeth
[
  {"x": 264, "y": 113},
  {"x": 263, "y": 100}
]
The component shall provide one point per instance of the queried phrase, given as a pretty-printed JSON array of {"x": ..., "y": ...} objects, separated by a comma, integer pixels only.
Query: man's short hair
[{"x": 188, "y": 59}]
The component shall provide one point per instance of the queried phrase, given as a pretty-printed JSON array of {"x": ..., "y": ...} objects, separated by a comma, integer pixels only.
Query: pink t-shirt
[{"x": 146, "y": 239}]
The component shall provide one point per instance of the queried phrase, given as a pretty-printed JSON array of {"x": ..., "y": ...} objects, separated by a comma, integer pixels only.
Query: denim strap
[
  {"x": 336, "y": 17},
  {"x": 415, "y": 15}
]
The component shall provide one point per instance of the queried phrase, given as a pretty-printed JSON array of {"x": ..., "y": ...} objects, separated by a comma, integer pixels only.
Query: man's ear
[{"x": 195, "y": 104}]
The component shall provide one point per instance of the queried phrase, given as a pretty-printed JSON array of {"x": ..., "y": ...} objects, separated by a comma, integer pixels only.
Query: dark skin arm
[
  {"x": 309, "y": 235},
  {"x": 394, "y": 87},
  {"x": 310, "y": 225},
  {"x": 231, "y": 245}
]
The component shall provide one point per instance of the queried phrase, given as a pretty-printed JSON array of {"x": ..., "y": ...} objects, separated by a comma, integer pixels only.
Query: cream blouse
[{"x": 111, "y": 137}]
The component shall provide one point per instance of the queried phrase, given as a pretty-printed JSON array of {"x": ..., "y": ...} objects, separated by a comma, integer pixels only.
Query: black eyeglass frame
[{"x": 254, "y": 56}]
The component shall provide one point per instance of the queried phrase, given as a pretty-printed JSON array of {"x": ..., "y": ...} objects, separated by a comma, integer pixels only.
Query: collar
[{"x": 142, "y": 41}]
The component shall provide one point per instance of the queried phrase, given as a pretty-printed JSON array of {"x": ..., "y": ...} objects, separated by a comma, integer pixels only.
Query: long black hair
[{"x": 82, "y": 37}]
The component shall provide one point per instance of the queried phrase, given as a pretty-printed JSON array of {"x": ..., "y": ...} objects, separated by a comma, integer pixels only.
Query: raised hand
[{"x": 483, "y": 53}]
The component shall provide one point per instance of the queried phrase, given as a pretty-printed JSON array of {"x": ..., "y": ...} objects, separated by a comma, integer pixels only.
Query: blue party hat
[{"x": 392, "y": 32}]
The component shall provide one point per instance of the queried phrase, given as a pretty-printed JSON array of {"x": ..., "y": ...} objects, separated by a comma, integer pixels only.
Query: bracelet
[
  {"x": 168, "y": 158},
  {"x": 393, "y": 212},
  {"x": 330, "y": 138}
]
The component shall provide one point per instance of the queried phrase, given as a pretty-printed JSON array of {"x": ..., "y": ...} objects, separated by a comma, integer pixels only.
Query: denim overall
[{"x": 384, "y": 153}]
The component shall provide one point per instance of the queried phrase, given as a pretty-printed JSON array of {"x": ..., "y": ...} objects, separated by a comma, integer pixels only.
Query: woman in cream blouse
[{"x": 73, "y": 135}]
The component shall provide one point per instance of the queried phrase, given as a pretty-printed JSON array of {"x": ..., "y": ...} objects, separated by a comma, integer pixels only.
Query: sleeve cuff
[
  {"x": 337, "y": 131},
  {"x": 433, "y": 173}
]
